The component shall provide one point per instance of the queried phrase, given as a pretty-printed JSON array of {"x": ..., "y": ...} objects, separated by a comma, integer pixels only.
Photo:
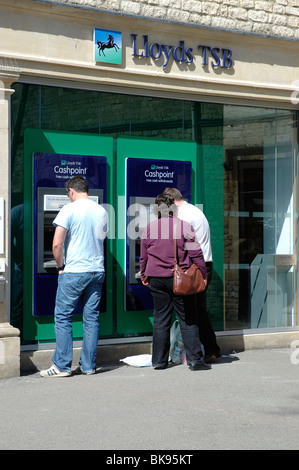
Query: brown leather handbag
[{"x": 186, "y": 282}]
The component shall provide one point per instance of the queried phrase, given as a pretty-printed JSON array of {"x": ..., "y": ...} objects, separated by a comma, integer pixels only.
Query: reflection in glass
[
  {"x": 259, "y": 219},
  {"x": 257, "y": 236}
]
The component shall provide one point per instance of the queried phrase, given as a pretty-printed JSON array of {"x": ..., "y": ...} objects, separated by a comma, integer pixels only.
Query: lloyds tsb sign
[{"x": 214, "y": 56}]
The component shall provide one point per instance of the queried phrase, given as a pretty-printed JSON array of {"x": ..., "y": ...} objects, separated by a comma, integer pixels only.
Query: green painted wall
[
  {"x": 207, "y": 189},
  {"x": 138, "y": 322},
  {"x": 209, "y": 185},
  {"x": 42, "y": 328}
]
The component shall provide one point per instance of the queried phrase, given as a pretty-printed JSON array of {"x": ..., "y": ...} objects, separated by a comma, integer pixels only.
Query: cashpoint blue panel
[
  {"x": 51, "y": 171},
  {"x": 146, "y": 178}
]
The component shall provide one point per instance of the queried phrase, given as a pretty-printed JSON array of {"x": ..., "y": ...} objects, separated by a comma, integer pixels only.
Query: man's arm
[{"x": 57, "y": 246}]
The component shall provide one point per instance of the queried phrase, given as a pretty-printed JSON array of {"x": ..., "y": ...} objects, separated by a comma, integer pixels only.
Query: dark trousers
[
  {"x": 164, "y": 302},
  {"x": 206, "y": 332}
]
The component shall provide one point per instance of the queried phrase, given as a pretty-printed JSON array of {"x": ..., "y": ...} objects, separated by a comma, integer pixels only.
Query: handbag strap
[{"x": 175, "y": 223}]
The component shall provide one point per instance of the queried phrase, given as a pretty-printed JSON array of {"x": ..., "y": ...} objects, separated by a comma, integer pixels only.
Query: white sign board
[{"x": 55, "y": 202}]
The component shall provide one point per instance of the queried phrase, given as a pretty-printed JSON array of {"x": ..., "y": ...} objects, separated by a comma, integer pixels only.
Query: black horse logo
[{"x": 107, "y": 45}]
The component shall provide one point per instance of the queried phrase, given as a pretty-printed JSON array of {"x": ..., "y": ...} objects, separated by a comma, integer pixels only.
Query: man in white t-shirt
[
  {"x": 197, "y": 219},
  {"x": 78, "y": 249}
]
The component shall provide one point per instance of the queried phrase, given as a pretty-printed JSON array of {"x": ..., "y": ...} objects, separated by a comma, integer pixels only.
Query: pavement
[{"x": 247, "y": 401}]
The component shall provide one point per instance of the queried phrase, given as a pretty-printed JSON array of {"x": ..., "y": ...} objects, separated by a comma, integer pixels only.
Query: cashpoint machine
[
  {"x": 145, "y": 179},
  {"x": 51, "y": 171}
]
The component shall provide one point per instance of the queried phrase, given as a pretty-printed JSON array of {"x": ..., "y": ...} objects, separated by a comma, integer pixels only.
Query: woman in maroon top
[{"x": 156, "y": 264}]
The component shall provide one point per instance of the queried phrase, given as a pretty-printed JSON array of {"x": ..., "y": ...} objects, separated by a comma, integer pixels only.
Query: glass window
[
  {"x": 64, "y": 109},
  {"x": 259, "y": 218},
  {"x": 252, "y": 153}
]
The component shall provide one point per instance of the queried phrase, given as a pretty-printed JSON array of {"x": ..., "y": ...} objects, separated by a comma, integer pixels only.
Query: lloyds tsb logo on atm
[{"x": 71, "y": 168}]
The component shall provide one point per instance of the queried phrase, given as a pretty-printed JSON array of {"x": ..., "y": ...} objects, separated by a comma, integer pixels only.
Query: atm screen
[
  {"x": 49, "y": 203},
  {"x": 140, "y": 215}
]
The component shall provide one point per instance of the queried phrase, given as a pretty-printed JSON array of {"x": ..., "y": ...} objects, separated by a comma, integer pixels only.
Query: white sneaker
[{"x": 53, "y": 371}]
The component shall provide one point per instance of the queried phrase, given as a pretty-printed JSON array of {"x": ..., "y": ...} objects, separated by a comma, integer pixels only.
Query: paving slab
[{"x": 247, "y": 401}]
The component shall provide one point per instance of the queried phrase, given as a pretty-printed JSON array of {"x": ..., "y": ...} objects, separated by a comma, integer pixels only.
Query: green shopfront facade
[
  {"x": 230, "y": 112},
  {"x": 244, "y": 176}
]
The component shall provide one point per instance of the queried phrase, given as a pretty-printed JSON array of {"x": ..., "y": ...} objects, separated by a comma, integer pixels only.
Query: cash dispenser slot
[
  {"x": 141, "y": 214},
  {"x": 49, "y": 203}
]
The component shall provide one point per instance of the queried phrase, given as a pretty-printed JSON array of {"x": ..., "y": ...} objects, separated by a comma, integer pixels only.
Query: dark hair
[
  {"x": 78, "y": 183},
  {"x": 175, "y": 193},
  {"x": 164, "y": 206}
]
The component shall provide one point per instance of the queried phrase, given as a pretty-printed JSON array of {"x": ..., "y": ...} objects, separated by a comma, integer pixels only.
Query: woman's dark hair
[
  {"x": 78, "y": 183},
  {"x": 164, "y": 206}
]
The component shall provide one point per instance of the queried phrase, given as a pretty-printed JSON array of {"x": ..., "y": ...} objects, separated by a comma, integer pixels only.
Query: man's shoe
[
  {"x": 160, "y": 366},
  {"x": 200, "y": 366},
  {"x": 78, "y": 371},
  {"x": 53, "y": 371}
]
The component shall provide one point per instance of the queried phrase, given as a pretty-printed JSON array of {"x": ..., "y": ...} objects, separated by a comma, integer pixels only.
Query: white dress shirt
[{"x": 197, "y": 219}]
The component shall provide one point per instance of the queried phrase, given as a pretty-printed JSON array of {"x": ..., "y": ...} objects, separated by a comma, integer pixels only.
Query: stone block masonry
[{"x": 277, "y": 18}]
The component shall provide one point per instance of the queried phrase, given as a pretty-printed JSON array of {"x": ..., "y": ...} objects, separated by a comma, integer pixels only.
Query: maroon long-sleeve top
[{"x": 157, "y": 248}]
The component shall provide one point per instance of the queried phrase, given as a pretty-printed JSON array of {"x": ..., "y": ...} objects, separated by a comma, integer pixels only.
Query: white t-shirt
[
  {"x": 197, "y": 219},
  {"x": 86, "y": 223}
]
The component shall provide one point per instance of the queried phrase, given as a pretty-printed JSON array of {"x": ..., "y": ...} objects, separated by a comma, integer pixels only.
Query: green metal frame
[
  {"x": 207, "y": 189},
  {"x": 137, "y": 322},
  {"x": 210, "y": 190},
  {"x": 42, "y": 328}
]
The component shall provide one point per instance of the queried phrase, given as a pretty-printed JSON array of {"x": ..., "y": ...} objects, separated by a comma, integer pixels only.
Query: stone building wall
[{"x": 277, "y": 18}]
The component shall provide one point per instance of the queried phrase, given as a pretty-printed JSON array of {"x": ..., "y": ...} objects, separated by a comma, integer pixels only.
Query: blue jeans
[{"x": 72, "y": 287}]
